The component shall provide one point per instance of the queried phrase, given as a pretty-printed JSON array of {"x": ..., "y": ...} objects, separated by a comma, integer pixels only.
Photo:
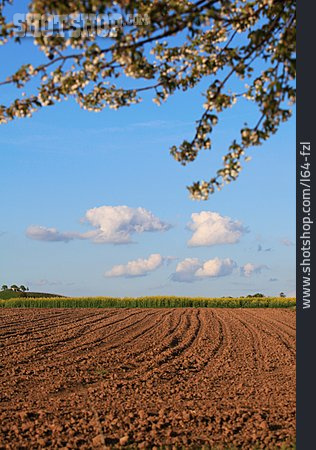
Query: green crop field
[{"x": 148, "y": 302}]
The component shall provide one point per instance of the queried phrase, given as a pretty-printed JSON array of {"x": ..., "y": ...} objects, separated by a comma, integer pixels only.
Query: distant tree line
[
  {"x": 15, "y": 288},
  {"x": 259, "y": 295}
]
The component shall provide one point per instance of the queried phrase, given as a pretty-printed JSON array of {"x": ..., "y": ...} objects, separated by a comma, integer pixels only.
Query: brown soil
[{"x": 147, "y": 378}]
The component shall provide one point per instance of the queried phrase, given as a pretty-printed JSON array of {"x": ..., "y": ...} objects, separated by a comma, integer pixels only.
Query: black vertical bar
[{"x": 305, "y": 146}]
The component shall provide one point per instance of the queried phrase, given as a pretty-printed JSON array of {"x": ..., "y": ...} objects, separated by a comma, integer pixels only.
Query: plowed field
[{"x": 147, "y": 378}]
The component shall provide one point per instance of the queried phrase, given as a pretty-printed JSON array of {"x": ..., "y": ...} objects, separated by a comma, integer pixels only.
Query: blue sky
[{"x": 64, "y": 162}]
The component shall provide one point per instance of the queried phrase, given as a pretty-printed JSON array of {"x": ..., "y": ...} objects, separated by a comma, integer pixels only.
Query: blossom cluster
[{"x": 171, "y": 47}]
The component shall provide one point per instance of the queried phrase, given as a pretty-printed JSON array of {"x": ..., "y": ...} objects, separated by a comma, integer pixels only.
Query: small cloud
[
  {"x": 273, "y": 279},
  {"x": 40, "y": 233},
  {"x": 44, "y": 282},
  {"x": 192, "y": 269},
  {"x": 287, "y": 242},
  {"x": 210, "y": 228},
  {"x": 113, "y": 225},
  {"x": 169, "y": 259},
  {"x": 261, "y": 249},
  {"x": 186, "y": 269},
  {"x": 249, "y": 269},
  {"x": 152, "y": 124},
  {"x": 138, "y": 267}
]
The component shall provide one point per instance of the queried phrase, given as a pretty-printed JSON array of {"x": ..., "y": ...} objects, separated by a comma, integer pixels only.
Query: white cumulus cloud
[
  {"x": 192, "y": 269},
  {"x": 112, "y": 225},
  {"x": 249, "y": 269},
  {"x": 138, "y": 267},
  {"x": 210, "y": 228},
  {"x": 116, "y": 224},
  {"x": 216, "y": 268}
]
